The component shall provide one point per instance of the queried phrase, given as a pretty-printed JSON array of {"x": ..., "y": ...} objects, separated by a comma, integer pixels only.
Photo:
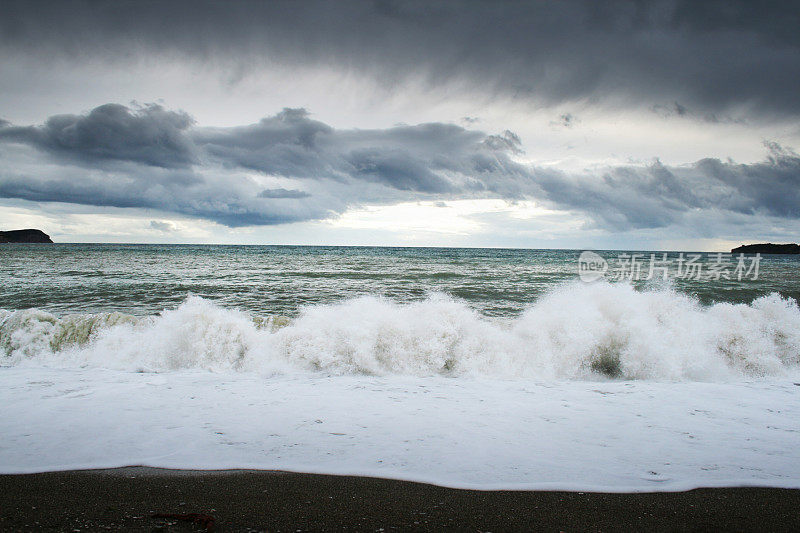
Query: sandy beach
[{"x": 127, "y": 499}]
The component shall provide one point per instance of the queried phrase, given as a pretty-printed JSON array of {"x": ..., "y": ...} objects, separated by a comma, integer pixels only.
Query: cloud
[
  {"x": 771, "y": 187},
  {"x": 291, "y": 168},
  {"x": 508, "y": 140},
  {"x": 566, "y": 120},
  {"x": 657, "y": 196},
  {"x": 430, "y": 158},
  {"x": 677, "y": 110},
  {"x": 163, "y": 226},
  {"x": 283, "y": 193},
  {"x": 149, "y": 134},
  {"x": 149, "y": 157},
  {"x": 713, "y": 56}
]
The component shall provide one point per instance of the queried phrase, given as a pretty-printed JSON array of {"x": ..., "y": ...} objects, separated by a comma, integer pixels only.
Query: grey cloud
[
  {"x": 166, "y": 227},
  {"x": 399, "y": 169},
  {"x": 677, "y": 110},
  {"x": 657, "y": 196},
  {"x": 508, "y": 140},
  {"x": 711, "y": 56},
  {"x": 283, "y": 193},
  {"x": 290, "y": 168},
  {"x": 153, "y": 158},
  {"x": 427, "y": 158},
  {"x": 623, "y": 198},
  {"x": 149, "y": 135},
  {"x": 771, "y": 187},
  {"x": 230, "y": 200},
  {"x": 284, "y": 144},
  {"x": 566, "y": 120}
]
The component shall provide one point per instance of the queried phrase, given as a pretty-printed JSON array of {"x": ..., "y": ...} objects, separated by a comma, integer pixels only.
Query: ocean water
[
  {"x": 281, "y": 280},
  {"x": 382, "y": 311},
  {"x": 468, "y": 367}
]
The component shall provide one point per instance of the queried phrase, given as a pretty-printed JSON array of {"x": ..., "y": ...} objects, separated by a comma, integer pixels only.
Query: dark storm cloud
[
  {"x": 426, "y": 158},
  {"x": 677, "y": 110},
  {"x": 283, "y": 144},
  {"x": 150, "y": 135},
  {"x": 623, "y": 198},
  {"x": 238, "y": 176},
  {"x": 772, "y": 186},
  {"x": 153, "y": 158},
  {"x": 636, "y": 197},
  {"x": 283, "y": 193},
  {"x": 228, "y": 200},
  {"x": 711, "y": 56}
]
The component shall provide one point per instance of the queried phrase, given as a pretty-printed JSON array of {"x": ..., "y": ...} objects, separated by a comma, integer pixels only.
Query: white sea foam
[
  {"x": 470, "y": 433},
  {"x": 366, "y": 387},
  {"x": 578, "y": 331}
]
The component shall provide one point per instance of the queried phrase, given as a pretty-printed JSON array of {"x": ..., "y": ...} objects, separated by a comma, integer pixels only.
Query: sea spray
[{"x": 577, "y": 331}]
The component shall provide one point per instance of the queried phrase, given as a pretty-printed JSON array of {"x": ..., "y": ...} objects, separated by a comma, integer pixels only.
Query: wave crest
[{"x": 579, "y": 331}]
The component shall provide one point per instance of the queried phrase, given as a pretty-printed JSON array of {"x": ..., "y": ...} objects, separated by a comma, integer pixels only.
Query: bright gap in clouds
[
  {"x": 412, "y": 220},
  {"x": 460, "y": 223},
  {"x": 426, "y": 223}
]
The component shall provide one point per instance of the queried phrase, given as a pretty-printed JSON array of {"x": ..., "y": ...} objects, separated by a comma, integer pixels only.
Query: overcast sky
[{"x": 655, "y": 125}]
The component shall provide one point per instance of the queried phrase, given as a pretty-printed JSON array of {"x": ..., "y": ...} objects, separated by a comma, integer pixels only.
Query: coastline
[{"x": 126, "y": 499}]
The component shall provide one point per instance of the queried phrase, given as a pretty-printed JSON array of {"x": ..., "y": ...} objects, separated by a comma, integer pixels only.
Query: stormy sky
[{"x": 531, "y": 124}]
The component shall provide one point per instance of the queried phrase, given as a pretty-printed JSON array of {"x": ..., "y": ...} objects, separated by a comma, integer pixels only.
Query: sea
[{"x": 475, "y": 368}]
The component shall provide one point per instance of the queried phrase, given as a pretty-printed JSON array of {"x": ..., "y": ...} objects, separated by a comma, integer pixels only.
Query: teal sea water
[{"x": 280, "y": 280}]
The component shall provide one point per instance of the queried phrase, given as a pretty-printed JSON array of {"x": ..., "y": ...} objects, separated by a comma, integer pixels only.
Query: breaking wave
[{"x": 578, "y": 331}]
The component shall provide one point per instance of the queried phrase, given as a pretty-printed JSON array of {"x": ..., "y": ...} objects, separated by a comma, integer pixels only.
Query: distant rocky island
[
  {"x": 767, "y": 248},
  {"x": 24, "y": 235}
]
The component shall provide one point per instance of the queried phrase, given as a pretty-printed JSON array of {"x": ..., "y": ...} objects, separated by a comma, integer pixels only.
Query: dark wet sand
[{"x": 127, "y": 498}]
